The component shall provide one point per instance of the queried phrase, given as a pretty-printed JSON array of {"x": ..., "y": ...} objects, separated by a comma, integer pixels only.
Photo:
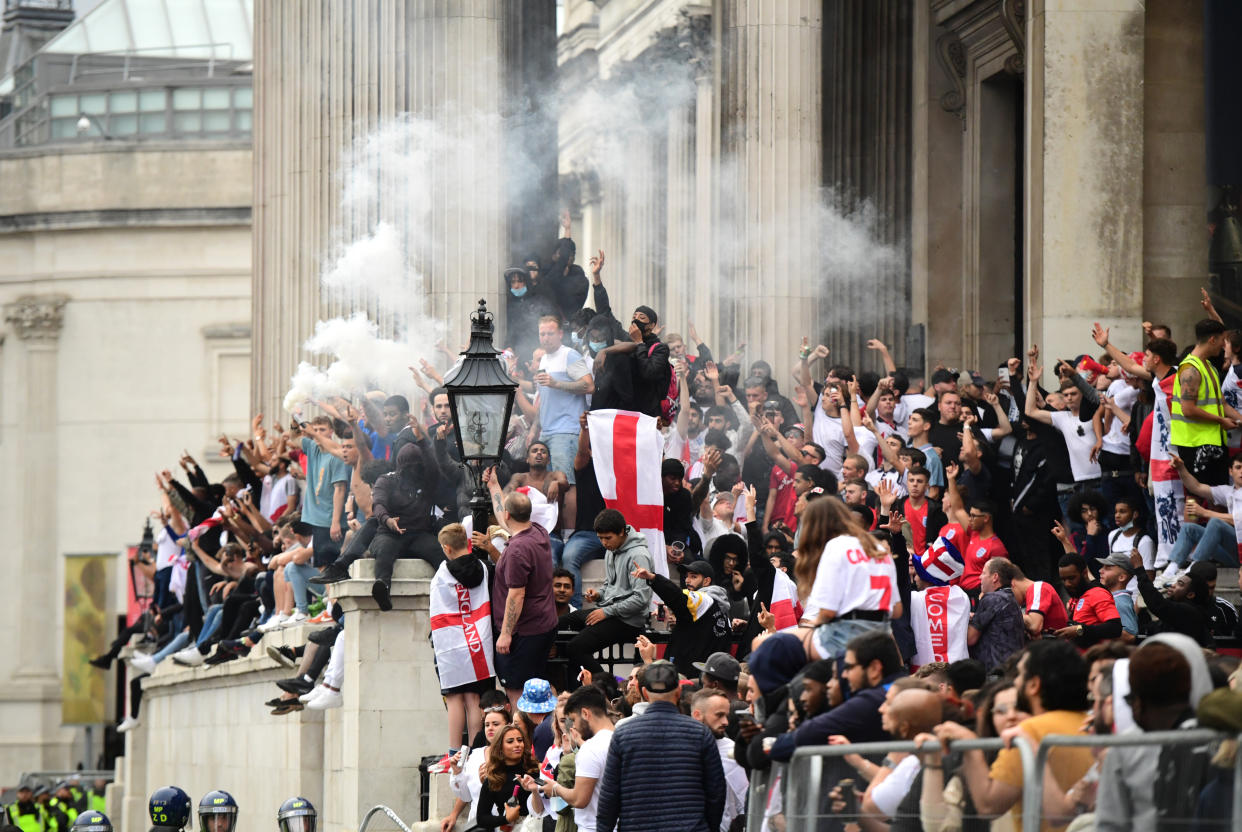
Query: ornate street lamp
[{"x": 480, "y": 394}]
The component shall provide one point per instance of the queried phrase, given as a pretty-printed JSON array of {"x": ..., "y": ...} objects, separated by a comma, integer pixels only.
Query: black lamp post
[{"x": 481, "y": 395}]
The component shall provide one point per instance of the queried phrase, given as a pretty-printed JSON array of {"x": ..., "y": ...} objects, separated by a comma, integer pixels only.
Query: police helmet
[
  {"x": 217, "y": 812},
  {"x": 169, "y": 808},
  {"x": 92, "y": 822},
  {"x": 297, "y": 814}
]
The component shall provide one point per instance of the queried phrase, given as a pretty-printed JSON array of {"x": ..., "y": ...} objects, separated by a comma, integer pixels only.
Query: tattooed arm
[{"x": 513, "y": 611}]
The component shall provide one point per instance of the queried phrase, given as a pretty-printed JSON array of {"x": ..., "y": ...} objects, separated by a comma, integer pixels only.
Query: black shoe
[
  {"x": 324, "y": 637},
  {"x": 103, "y": 662},
  {"x": 276, "y": 703},
  {"x": 297, "y": 686},
  {"x": 289, "y": 706},
  {"x": 221, "y": 655},
  {"x": 379, "y": 591},
  {"x": 331, "y": 574},
  {"x": 283, "y": 655}
]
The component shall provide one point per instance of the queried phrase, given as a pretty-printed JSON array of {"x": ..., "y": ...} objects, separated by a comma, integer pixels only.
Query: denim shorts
[
  {"x": 561, "y": 450},
  {"x": 831, "y": 638}
]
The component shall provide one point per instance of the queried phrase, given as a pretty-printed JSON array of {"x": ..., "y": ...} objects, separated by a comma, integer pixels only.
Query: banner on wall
[{"x": 83, "y": 689}]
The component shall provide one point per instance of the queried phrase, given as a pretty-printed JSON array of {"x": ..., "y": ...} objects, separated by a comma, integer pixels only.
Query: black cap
[
  {"x": 1204, "y": 569},
  {"x": 702, "y": 567},
  {"x": 720, "y": 666},
  {"x": 942, "y": 376},
  {"x": 661, "y": 677}
]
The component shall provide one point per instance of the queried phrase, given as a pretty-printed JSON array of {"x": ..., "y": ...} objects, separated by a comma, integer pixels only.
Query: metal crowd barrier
[
  {"x": 804, "y": 786},
  {"x": 374, "y": 810},
  {"x": 1197, "y": 736}
]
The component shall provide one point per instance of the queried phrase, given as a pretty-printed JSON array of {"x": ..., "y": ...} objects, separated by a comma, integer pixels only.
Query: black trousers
[
  {"x": 358, "y": 543},
  {"x": 388, "y": 546},
  {"x": 590, "y": 640}
]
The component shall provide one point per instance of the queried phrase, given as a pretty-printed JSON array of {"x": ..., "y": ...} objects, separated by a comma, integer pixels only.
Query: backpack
[{"x": 671, "y": 404}]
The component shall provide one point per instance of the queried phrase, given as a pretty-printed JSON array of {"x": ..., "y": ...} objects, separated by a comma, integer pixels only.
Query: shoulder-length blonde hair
[
  {"x": 821, "y": 521},
  {"x": 496, "y": 773}
]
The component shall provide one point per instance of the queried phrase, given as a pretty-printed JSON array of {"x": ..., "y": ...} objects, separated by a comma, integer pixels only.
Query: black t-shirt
[
  {"x": 945, "y": 438},
  {"x": 678, "y": 516},
  {"x": 590, "y": 501}
]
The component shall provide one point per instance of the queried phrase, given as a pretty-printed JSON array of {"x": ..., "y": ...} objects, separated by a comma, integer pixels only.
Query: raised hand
[
  {"x": 820, "y": 351},
  {"x": 597, "y": 263},
  {"x": 712, "y": 372},
  {"x": 1099, "y": 334},
  {"x": 876, "y": 344}
]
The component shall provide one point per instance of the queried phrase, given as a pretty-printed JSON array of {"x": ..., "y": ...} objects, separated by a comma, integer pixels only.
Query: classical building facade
[{"x": 125, "y": 290}]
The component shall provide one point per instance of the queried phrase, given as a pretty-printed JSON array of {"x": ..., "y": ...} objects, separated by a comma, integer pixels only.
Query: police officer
[
  {"x": 25, "y": 814},
  {"x": 169, "y": 809},
  {"x": 95, "y": 799},
  {"x": 297, "y": 814},
  {"x": 217, "y": 812},
  {"x": 77, "y": 794},
  {"x": 60, "y": 811},
  {"x": 92, "y": 822}
]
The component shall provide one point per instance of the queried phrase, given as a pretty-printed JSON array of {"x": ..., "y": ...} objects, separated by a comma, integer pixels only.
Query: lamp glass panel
[{"x": 481, "y": 416}]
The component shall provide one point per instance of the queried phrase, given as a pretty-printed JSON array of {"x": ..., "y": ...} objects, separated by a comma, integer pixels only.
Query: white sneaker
[
  {"x": 274, "y": 623},
  {"x": 325, "y": 700},
  {"x": 143, "y": 663},
  {"x": 128, "y": 724},
  {"x": 307, "y": 698},
  {"x": 297, "y": 618},
  {"x": 1170, "y": 574},
  {"x": 190, "y": 657}
]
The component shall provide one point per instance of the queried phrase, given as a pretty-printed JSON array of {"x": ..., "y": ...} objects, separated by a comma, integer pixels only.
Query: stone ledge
[{"x": 168, "y": 673}]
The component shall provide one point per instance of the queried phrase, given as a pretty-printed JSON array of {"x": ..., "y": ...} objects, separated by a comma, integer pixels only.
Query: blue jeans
[
  {"x": 831, "y": 638},
  {"x": 581, "y": 547},
  {"x": 1217, "y": 541},
  {"x": 180, "y": 640},
  {"x": 561, "y": 450},
  {"x": 298, "y": 575},
  {"x": 211, "y": 623}
]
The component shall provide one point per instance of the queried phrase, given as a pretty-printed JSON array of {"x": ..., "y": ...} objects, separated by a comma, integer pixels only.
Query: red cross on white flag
[{"x": 628, "y": 450}]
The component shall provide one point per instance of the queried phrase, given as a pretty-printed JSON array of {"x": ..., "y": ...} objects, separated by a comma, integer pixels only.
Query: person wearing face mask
[
  {"x": 525, "y": 304},
  {"x": 402, "y": 502},
  {"x": 644, "y": 365}
]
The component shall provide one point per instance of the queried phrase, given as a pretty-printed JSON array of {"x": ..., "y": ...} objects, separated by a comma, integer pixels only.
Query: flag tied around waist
[
  {"x": 461, "y": 630},
  {"x": 628, "y": 450}
]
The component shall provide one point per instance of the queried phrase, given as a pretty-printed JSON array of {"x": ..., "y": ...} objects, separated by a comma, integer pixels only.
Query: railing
[
  {"x": 51, "y": 777},
  {"x": 803, "y": 787},
  {"x": 127, "y": 55},
  {"x": 375, "y": 810}
]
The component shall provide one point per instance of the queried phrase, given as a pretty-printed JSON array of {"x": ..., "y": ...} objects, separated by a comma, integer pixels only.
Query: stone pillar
[
  {"x": 679, "y": 234},
  {"x": 704, "y": 307},
  {"x": 772, "y": 141},
  {"x": 1084, "y": 217},
  {"x": 393, "y": 714},
  {"x": 30, "y": 718},
  {"x": 1175, "y": 241},
  {"x": 327, "y": 74}
]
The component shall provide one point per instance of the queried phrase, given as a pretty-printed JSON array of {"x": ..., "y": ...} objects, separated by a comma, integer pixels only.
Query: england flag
[
  {"x": 461, "y": 630},
  {"x": 628, "y": 450}
]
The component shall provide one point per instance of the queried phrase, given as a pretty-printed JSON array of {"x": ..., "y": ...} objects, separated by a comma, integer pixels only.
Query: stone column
[
  {"x": 1175, "y": 241},
  {"x": 1084, "y": 216},
  {"x": 772, "y": 142},
  {"x": 393, "y": 714},
  {"x": 327, "y": 75},
  {"x": 30, "y": 718}
]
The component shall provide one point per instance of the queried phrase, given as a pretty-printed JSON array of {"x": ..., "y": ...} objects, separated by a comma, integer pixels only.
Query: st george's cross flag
[
  {"x": 461, "y": 630},
  {"x": 785, "y": 606},
  {"x": 627, "y": 450}
]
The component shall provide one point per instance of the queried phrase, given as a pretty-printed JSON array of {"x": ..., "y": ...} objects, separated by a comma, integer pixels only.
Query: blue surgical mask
[
  {"x": 596, "y": 346},
  {"x": 1127, "y": 526},
  {"x": 575, "y": 339},
  {"x": 517, "y": 293}
]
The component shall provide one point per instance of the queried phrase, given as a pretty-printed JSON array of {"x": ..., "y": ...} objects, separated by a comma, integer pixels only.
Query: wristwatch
[{"x": 1080, "y": 631}]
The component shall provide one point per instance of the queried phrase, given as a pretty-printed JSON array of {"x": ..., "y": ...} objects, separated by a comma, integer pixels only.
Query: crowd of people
[{"x": 851, "y": 556}]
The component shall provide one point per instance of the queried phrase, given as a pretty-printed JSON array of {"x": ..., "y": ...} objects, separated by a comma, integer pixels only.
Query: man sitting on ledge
[{"x": 622, "y": 603}]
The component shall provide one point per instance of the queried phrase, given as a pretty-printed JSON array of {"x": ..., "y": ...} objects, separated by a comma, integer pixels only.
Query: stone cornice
[{"x": 36, "y": 317}]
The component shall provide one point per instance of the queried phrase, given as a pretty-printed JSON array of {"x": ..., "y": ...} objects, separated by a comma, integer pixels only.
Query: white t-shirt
[
  {"x": 589, "y": 762},
  {"x": 887, "y": 796},
  {"x": 847, "y": 580},
  {"x": 1120, "y": 544},
  {"x": 1116, "y": 440},
  {"x": 867, "y": 445},
  {"x": 1079, "y": 440},
  {"x": 167, "y": 549},
  {"x": 688, "y": 450},
  {"x": 736, "y": 784},
  {"x": 827, "y": 432},
  {"x": 1231, "y": 499},
  {"x": 896, "y": 480},
  {"x": 276, "y": 493},
  {"x": 906, "y": 405},
  {"x": 1231, "y": 394},
  {"x": 467, "y": 785}
]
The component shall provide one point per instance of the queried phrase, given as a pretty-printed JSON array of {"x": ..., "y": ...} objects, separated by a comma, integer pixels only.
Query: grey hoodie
[{"x": 622, "y": 595}]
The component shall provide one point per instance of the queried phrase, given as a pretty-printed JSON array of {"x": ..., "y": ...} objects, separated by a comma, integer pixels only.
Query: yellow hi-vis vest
[{"x": 1189, "y": 433}]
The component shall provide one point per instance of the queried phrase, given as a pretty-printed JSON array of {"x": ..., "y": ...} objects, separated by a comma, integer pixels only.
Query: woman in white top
[
  {"x": 465, "y": 780},
  {"x": 846, "y": 579}
]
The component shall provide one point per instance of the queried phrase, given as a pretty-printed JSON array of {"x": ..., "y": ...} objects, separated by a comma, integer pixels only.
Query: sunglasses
[{"x": 493, "y": 709}]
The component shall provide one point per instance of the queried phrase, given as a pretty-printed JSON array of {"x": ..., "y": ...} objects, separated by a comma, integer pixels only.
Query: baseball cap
[
  {"x": 1120, "y": 561},
  {"x": 976, "y": 379},
  {"x": 723, "y": 495},
  {"x": 660, "y": 677},
  {"x": 701, "y": 567},
  {"x": 721, "y": 666},
  {"x": 942, "y": 376}
]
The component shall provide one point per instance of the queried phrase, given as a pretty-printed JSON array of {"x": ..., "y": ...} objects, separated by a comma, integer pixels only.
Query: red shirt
[
  {"x": 1042, "y": 598},
  {"x": 917, "y": 518},
  {"x": 1095, "y": 606},
  {"x": 980, "y": 550},
  {"x": 781, "y": 482}
]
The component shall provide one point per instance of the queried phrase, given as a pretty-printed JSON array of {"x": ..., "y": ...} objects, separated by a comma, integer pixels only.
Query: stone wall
[{"x": 206, "y": 728}]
